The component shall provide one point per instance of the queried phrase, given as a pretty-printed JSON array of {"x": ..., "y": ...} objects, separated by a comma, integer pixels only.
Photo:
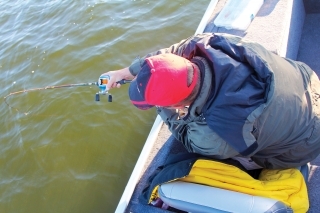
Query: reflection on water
[{"x": 62, "y": 151}]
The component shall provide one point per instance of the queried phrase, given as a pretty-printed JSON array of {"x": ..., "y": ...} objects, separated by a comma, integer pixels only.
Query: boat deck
[{"x": 289, "y": 28}]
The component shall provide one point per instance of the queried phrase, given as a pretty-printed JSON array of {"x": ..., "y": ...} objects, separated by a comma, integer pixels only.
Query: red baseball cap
[{"x": 162, "y": 81}]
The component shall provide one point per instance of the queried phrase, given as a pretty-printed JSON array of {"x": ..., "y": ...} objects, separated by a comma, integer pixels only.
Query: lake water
[{"x": 60, "y": 151}]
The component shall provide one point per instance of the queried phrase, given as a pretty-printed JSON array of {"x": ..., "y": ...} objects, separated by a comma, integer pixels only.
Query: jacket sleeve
[
  {"x": 184, "y": 48},
  {"x": 196, "y": 137},
  {"x": 170, "y": 118}
]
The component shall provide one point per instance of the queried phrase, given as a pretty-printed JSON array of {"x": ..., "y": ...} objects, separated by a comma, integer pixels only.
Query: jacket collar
[{"x": 205, "y": 87}]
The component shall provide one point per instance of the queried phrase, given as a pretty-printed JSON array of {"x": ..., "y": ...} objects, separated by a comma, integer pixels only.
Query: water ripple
[{"x": 61, "y": 146}]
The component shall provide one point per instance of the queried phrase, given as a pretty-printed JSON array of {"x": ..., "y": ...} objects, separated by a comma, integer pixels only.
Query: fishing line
[{"x": 44, "y": 88}]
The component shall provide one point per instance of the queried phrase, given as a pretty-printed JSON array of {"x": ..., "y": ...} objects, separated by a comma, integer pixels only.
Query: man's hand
[{"x": 117, "y": 75}]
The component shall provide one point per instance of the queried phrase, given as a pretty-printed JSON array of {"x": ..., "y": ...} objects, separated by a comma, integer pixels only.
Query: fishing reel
[{"x": 102, "y": 84}]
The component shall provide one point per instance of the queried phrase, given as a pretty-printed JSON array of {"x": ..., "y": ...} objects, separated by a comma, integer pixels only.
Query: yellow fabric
[
  {"x": 286, "y": 185},
  {"x": 154, "y": 194}
]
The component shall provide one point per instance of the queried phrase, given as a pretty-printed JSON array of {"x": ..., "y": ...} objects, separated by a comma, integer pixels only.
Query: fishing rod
[{"x": 101, "y": 83}]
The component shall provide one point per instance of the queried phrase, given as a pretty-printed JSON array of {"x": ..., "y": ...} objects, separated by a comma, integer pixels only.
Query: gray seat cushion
[{"x": 195, "y": 198}]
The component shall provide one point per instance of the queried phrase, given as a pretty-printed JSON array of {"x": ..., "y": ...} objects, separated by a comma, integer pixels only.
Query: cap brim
[{"x": 136, "y": 98}]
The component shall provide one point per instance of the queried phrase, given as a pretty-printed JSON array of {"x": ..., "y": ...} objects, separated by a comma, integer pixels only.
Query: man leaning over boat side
[{"x": 243, "y": 101}]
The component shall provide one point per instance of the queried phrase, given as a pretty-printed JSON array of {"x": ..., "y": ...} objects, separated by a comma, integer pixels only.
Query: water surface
[{"x": 60, "y": 151}]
